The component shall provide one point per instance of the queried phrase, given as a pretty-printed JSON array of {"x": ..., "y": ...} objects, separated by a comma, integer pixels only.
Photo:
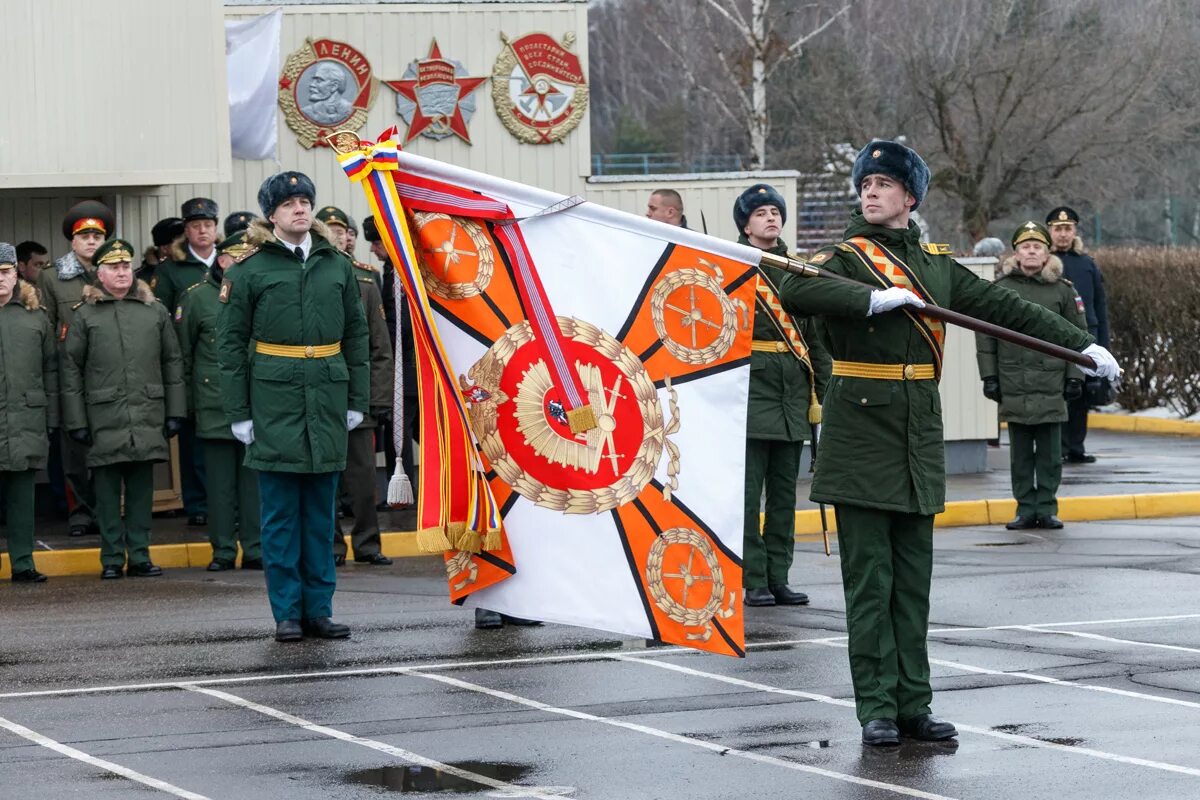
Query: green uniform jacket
[
  {"x": 28, "y": 382},
  {"x": 382, "y": 372},
  {"x": 122, "y": 375},
  {"x": 173, "y": 278},
  {"x": 196, "y": 324},
  {"x": 881, "y": 444},
  {"x": 298, "y": 405},
  {"x": 61, "y": 288},
  {"x": 780, "y": 386},
  {"x": 1031, "y": 384}
]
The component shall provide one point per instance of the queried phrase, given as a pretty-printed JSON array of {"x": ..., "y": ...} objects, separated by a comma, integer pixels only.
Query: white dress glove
[
  {"x": 1106, "y": 365},
  {"x": 353, "y": 419},
  {"x": 243, "y": 431},
  {"x": 886, "y": 299}
]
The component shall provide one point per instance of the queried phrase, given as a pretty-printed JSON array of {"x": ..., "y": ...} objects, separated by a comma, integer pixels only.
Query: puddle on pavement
[
  {"x": 1068, "y": 741},
  {"x": 427, "y": 779},
  {"x": 1000, "y": 544}
]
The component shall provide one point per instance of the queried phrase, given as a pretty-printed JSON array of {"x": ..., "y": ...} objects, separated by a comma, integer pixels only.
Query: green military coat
[
  {"x": 28, "y": 381},
  {"x": 122, "y": 375},
  {"x": 174, "y": 277},
  {"x": 196, "y": 324},
  {"x": 298, "y": 405},
  {"x": 780, "y": 386},
  {"x": 1031, "y": 384},
  {"x": 382, "y": 372},
  {"x": 881, "y": 444},
  {"x": 61, "y": 286}
]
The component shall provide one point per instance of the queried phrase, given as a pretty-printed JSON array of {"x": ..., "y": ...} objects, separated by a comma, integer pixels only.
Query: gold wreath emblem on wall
[
  {"x": 466, "y": 240},
  {"x": 692, "y": 318},
  {"x": 593, "y": 456},
  {"x": 686, "y": 580}
]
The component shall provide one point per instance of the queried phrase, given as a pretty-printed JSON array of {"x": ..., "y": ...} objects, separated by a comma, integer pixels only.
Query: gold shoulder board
[
  {"x": 251, "y": 251},
  {"x": 935, "y": 249}
]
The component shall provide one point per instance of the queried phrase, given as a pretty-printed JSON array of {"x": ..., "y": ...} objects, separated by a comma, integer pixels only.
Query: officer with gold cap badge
[
  {"x": 237, "y": 222},
  {"x": 123, "y": 397},
  {"x": 233, "y": 486},
  {"x": 358, "y": 481},
  {"x": 788, "y": 372},
  {"x": 86, "y": 226},
  {"x": 29, "y": 388},
  {"x": 292, "y": 344}
]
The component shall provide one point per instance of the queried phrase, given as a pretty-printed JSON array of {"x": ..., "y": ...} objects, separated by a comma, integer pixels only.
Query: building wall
[{"x": 966, "y": 414}]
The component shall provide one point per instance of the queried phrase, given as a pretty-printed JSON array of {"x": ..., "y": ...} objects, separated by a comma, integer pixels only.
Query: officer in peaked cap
[
  {"x": 86, "y": 225},
  {"x": 294, "y": 301},
  {"x": 237, "y": 221}
]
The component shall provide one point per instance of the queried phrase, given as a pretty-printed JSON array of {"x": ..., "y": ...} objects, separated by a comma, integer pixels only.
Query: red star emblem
[
  {"x": 431, "y": 70},
  {"x": 285, "y": 82}
]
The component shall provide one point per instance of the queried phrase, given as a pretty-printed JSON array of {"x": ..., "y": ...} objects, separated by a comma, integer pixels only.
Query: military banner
[{"x": 602, "y": 362}]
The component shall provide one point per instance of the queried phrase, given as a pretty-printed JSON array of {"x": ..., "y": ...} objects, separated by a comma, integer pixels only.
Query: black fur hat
[
  {"x": 758, "y": 195},
  {"x": 166, "y": 231},
  {"x": 280, "y": 187},
  {"x": 893, "y": 159},
  {"x": 370, "y": 230},
  {"x": 237, "y": 221}
]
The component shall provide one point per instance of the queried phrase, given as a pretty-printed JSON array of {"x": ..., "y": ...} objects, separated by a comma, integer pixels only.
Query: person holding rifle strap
[{"x": 881, "y": 462}]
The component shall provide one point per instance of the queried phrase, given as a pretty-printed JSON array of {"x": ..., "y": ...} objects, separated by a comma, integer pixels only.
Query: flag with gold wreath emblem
[{"x": 595, "y": 364}]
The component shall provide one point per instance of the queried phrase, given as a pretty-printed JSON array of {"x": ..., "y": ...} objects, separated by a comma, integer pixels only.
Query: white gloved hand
[
  {"x": 353, "y": 419},
  {"x": 243, "y": 431},
  {"x": 1106, "y": 365},
  {"x": 886, "y": 299}
]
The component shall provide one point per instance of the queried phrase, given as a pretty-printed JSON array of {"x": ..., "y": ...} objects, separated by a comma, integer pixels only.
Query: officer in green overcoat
[
  {"x": 123, "y": 397},
  {"x": 292, "y": 348},
  {"x": 788, "y": 372},
  {"x": 1033, "y": 389},
  {"x": 28, "y": 407},
  {"x": 358, "y": 481},
  {"x": 86, "y": 226},
  {"x": 233, "y": 514},
  {"x": 882, "y": 461}
]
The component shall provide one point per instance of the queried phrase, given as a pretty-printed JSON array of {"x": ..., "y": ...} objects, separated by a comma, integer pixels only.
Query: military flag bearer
[
  {"x": 882, "y": 461},
  {"x": 28, "y": 407}
]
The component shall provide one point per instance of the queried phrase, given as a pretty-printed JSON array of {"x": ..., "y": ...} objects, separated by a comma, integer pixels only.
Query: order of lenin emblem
[
  {"x": 436, "y": 97},
  {"x": 325, "y": 86},
  {"x": 538, "y": 88}
]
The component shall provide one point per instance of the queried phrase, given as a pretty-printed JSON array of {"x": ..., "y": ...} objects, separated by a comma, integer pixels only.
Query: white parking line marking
[
  {"x": 673, "y": 737},
  {"x": 1099, "y": 638},
  {"x": 397, "y": 752},
  {"x": 79, "y": 755},
  {"x": 1010, "y": 737}
]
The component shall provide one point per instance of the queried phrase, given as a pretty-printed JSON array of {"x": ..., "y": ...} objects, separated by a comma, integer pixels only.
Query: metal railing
[{"x": 658, "y": 163}]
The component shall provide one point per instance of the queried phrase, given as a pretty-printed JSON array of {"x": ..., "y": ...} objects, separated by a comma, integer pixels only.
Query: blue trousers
[{"x": 297, "y": 550}]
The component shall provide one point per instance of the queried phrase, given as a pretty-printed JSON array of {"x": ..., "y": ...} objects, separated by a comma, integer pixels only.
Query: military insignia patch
[
  {"x": 62, "y": 332},
  {"x": 1079, "y": 306},
  {"x": 178, "y": 313},
  {"x": 820, "y": 258},
  {"x": 382, "y": 313},
  {"x": 325, "y": 86},
  {"x": 538, "y": 88},
  {"x": 435, "y": 97},
  {"x": 226, "y": 288},
  {"x": 936, "y": 249}
]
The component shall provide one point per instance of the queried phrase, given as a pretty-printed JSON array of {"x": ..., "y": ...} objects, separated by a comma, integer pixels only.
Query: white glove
[
  {"x": 353, "y": 419},
  {"x": 243, "y": 431},
  {"x": 886, "y": 299},
  {"x": 1106, "y": 365}
]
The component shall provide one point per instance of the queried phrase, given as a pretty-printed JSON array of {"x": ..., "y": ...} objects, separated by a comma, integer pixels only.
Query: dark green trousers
[
  {"x": 78, "y": 480},
  {"x": 124, "y": 537},
  {"x": 1036, "y": 455},
  {"x": 297, "y": 515},
  {"x": 887, "y": 559},
  {"x": 233, "y": 489},
  {"x": 358, "y": 481},
  {"x": 17, "y": 489},
  {"x": 771, "y": 466}
]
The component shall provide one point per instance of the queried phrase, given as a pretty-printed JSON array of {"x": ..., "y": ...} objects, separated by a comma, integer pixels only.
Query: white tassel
[{"x": 400, "y": 491}]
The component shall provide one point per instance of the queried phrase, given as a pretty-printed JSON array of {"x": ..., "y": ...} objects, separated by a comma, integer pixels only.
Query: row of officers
[{"x": 115, "y": 361}]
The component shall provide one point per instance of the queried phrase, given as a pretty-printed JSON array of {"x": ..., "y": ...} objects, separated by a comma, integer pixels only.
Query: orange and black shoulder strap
[
  {"x": 890, "y": 270},
  {"x": 767, "y": 299}
]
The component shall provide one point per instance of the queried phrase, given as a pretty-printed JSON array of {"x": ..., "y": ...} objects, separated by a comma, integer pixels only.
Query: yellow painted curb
[
  {"x": 959, "y": 513},
  {"x": 1131, "y": 424}
]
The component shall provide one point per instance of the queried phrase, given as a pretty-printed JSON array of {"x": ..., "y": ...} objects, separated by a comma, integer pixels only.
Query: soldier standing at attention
[
  {"x": 882, "y": 459},
  {"x": 191, "y": 258},
  {"x": 788, "y": 372},
  {"x": 29, "y": 389},
  {"x": 1033, "y": 389},
  {"x": 123, "y": 397},
  {"x": 358, "y": 480},
  {"x": 163, "y": 235},
  {"x": 232, "y": 485},
  {"x": 237, "y": 222},
  {"x": 292, "y": 347},
  {"x": 86, "y": 226}
]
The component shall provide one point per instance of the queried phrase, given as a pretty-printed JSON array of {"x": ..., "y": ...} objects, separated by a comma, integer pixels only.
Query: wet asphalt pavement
[{"x": 1071, "y": 664}]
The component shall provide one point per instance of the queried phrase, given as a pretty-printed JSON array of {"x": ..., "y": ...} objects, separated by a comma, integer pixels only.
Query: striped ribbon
[{"x": 455, "y": 506}]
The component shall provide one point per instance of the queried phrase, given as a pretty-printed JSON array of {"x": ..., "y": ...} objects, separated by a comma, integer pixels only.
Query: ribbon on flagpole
[{"x": 455, "y": 506}]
